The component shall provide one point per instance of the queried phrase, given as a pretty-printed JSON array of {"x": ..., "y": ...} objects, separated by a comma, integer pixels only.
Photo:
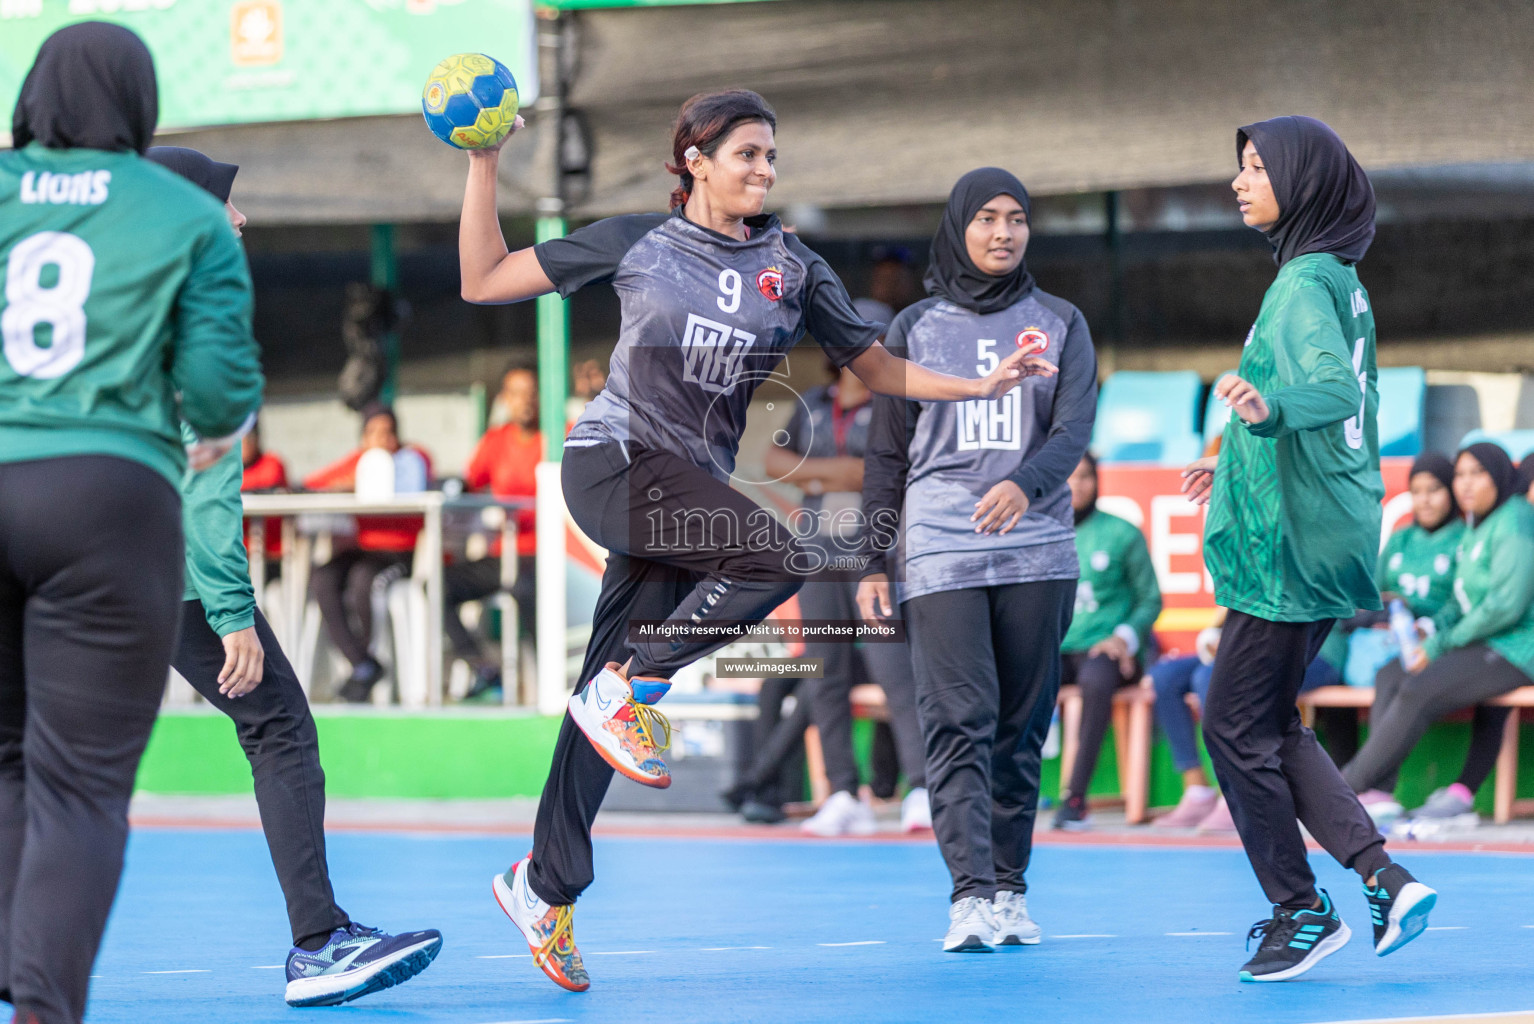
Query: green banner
[{"x": 243, "y": 61}]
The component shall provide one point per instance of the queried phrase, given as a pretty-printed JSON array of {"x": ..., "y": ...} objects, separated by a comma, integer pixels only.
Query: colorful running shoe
[
  {"x": 618, "y": 719},
  {"x": 1294, "y": 941},
  {"x": 549, "y": 930},
  {"x": 357, "y": 961},
  {"x": 1399, "y": 906}
]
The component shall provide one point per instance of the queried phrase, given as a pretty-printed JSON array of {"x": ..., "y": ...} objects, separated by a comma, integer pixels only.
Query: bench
[
  {"x": 1133, "y": 719},
  {"x": 1505, "y": 802}
]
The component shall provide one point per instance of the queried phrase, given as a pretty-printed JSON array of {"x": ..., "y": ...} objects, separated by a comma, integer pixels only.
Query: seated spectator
[
  {"x": 1482, "y": 638},
  {"x": 587, "y": 379},
  {"x": 1117, "y": 602},
  {"x": 1416, "y": 567},
  {"x": 821, "y": 452},
  {"x": 343, "y": 587},
  {"x": 264, "y": 472},
  {"x": 504, "y": 463}
]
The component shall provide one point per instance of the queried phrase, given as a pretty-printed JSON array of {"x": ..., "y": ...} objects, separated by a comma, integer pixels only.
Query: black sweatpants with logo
[
  {"x": 987, "y": 665},
  {"x": 277, "y": 733},
  {"x": 1272, "y": 771},
  {"x": 682, "y": 546},
  {"x": 90, "y": 594}
]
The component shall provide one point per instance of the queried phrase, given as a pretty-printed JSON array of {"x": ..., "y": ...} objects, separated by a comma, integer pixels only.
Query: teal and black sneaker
[
  {"x": 1294, "y": 941},
  {"x": 355, "y": 962},
  {"x": 1399, "y": 906}
]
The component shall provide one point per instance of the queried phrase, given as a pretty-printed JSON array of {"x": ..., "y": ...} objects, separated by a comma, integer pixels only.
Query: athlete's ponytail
[{"x": 704, "y": 122}]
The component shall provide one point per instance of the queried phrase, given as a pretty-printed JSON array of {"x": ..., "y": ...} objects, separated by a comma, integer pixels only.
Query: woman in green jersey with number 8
[{"x": 1294, "y": 522}]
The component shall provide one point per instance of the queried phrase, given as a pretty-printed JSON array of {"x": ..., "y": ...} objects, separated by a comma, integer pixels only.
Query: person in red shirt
[
  {"x": 343, "y": 586},
  {"x": 503, "y": 463},
  {"x": 264, "y": 472}
]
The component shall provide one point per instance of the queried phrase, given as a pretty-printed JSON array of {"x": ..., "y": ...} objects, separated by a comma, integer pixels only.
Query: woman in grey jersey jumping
[
  {"x": 712, "y": 294},
  {"x": 985, "y": 562}
]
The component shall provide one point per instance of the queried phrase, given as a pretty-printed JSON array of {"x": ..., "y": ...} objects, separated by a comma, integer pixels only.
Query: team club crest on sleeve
[
  {"x": 770, "y": 283},
  {"x": 1033, "y": 336}
]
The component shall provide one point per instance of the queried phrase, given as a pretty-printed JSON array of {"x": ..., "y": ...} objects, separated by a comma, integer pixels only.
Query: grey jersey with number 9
[{"x": 705, "y": 319}]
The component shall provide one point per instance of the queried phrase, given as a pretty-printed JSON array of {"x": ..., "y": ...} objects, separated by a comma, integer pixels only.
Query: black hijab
[
  {"x": 91, "y": 87},
  {"x": 951, "y": 274},
  {"x": 1499, "y": 466},
  {"x": 1325, "y": 201},
  {"x": 1526, "y": 474},
  {"x": 212, "y": 176},
  {"x": 1441, "y": 469}
]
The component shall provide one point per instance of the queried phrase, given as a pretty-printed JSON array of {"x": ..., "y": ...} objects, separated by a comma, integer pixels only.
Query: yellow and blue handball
[{"x": 470, "y": 101}]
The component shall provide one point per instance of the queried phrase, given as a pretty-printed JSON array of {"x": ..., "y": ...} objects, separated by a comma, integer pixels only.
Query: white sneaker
[
  {"x": 627, "y": 732},
  {"x": 971, "y": 926},
  {"x": 842, "y": 815},
  {"x": 1013, "y": 925},
  {"x": 549, "y": 931},
  {"x": 916, "y": 812}
]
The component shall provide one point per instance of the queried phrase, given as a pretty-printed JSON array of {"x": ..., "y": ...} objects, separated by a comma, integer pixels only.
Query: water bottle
[{"x": 1404, "y": 626}]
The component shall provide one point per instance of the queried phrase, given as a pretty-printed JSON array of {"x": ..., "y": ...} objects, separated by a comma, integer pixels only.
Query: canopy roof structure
[{"x": 884, "y": 102}]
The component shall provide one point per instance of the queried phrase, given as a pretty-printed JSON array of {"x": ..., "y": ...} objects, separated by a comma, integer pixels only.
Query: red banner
[{"x": 1152, "y": 499}]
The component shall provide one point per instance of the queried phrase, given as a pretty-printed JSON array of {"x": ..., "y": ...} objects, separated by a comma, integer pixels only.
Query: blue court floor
[{"x": 681, "y": 930}]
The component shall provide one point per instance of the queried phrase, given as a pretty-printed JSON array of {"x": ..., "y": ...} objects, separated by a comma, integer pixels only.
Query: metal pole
[
  {"x": 385, "y": 275},
  {"x": 553, "y": 391}
]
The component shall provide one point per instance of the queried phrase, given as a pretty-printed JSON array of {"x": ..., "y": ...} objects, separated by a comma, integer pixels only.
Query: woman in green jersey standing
[
  {"x": 1294, "y": 521},
  {"x": 126, "y": 310}
]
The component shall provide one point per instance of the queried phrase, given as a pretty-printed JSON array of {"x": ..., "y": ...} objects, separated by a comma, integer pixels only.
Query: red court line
[{"x": 768, "y": 833}]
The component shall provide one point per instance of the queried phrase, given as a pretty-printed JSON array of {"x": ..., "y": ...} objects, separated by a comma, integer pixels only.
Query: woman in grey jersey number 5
[
  {"x": 713, "y": 294},
  {"x": 985, "y": 562}
]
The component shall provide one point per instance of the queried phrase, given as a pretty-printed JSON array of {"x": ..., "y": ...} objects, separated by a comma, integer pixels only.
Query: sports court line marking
[
  {"x": 194, "y": 970},
  {"x": 541, "y": 1020},
  {"x": 1196, "y": 935},
  {"x": 267, "y": 967},
  {"x": 1446, "y": 927},
  {"x": 1088, "y": 935},
  {"x": 1504, "y": 1017},
  {"x": 726, "y": 949},
  {"x": 865, "y": 942},
  {"x": 506, "y": 956},
  {"x": 621, "y": 952}
]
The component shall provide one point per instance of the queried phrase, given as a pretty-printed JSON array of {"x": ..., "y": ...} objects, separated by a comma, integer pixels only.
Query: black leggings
[
  {"x": 987, "y": 674},
  {"x": 90, "y": 593},
  {"x": 681, "y": 546},
  {"x": 343, "y": 588},
  {"x": 1459, "y": 679},
  {"x": 1099, "y": 678},
  {"x": 277, "y": 733},
  {"x": 1269, "y": 765}
]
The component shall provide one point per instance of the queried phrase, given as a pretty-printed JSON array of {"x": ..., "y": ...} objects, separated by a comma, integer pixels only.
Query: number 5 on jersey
[{"x": 47, "y": 280}]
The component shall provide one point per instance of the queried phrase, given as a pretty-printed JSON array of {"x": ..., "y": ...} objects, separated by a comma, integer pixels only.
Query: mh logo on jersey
[
  {"x": 985, "y": 424},
  {"x": 770, "y": 283},
  {"x": 712, "y": 353}
]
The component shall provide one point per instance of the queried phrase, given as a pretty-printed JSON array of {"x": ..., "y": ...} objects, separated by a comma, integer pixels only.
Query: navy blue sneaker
[
  {"x": 1294, "y": 941},
  {"x": 357, "y": 961},
  {"x": 1399, "y": 906}
]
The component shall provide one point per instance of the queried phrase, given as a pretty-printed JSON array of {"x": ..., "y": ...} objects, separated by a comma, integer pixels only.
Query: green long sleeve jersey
[
  {"x": 1493, "y": 599},
  {"x": 126, "y": 309},
  {"x": 1118, "y": 585},
  {"x": 1419, "y": 566},
  {"x": 1294, "y": 521},
  {"x": 212, "y": 520}
]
